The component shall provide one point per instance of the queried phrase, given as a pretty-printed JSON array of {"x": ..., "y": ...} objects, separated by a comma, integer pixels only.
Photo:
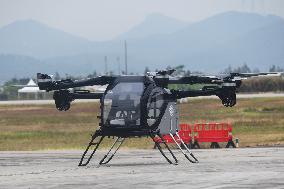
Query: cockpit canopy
[
  {"x": 132, "y": 104},
  {"x": 122, "y": 104}
]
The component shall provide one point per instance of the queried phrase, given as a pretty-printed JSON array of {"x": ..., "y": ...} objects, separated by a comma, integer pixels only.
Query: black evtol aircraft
[{"x": 135, "y": 106}]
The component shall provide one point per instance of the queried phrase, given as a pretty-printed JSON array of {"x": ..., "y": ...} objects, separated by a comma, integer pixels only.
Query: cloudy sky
[{"x": 105, "y": 19}]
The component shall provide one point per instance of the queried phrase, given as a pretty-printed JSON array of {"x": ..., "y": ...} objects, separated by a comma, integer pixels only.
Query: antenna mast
[
  {"x": 118, "y": 63},
  {"x": 106, "y": 71},
  {"x": 125, "y": 56}
]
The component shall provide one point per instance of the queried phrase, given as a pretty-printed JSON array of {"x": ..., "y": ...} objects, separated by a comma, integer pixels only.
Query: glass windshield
[{"x": 122, "y": 104}]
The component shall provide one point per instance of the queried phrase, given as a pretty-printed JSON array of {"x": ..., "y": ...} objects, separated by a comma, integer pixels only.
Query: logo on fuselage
[{"x": 171, "y": 110}]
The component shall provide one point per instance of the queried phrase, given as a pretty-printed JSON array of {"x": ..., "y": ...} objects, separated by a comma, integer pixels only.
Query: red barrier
[
  {"x": 184, "y": 133},
  {"x": 212, "y": 132},
  {"x": 203, "y": 132}
]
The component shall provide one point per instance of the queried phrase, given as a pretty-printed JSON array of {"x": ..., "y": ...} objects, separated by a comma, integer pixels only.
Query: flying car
[{"x": 137, "y": 106}]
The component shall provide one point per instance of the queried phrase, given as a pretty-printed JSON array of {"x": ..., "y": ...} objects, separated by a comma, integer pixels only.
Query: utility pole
[
  {"x": 106, "y": 66},
  {"x": 125, "y": 56},
  {"x": 118, "y": 62}
]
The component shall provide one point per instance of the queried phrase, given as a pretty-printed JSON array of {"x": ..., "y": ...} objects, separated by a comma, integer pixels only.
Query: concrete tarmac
[{"x": 218, "y": 168}]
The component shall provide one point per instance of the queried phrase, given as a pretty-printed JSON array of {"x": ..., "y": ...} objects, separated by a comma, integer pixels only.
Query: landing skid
[
  {"x": 119, "y": 142},
  {"x": 186, "y": 148},
  {"x": 91, "y": 143},
  {"x": 85, "y": 159},
  {"x": 110, "y": 154},
  {"x": 162, "y": 152}
]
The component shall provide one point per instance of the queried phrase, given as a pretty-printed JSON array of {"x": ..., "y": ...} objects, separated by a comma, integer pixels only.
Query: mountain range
[{"x": 210, "y": 45}]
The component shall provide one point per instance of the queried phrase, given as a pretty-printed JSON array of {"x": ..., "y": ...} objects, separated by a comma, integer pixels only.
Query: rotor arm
[
  {"x": 224, "y": 87},
  {"x": 87, "y": 95},
  {"x": 178, "y": 94},
  {"x": 45, "y": 82},
  {"x": 226, "y": 94},
  {"x": 195, "y": 80},
  {"x": 63, "y": 98},
  {"x": 239, "y": 76},
  {"x": 219, "y": 79}
]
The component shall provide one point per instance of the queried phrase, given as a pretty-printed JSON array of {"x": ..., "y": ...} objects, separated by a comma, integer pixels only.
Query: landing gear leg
[
  {"x": 162, "y": 152},
  {"x": 118, "y": 141},
  {"x": 190, "y": 153},
  {"x": 91, "y": 143}
]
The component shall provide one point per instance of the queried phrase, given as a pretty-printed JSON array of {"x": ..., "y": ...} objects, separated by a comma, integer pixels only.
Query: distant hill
[
  {"x": 203, "y": 45},
  {"x": 18, "y": 66},
  {"x": 25, "y": 66},
  {"x": 260, "y": 48},
  {"x": 153, "y": 25},
  {"x": 210, "y": 45},
  {"x": 31, "y": 38}
]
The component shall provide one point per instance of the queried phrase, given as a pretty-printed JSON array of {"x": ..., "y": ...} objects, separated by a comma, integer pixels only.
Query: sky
[{"x": 100, "y": 20}]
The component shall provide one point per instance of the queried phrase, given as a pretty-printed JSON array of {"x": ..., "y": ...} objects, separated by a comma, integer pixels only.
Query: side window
[
  {"x": 154, "y": 106},
  {"x": 107, "y": 104}
]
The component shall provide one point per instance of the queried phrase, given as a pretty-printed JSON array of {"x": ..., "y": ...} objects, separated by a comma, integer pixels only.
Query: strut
[
  {"x": 118, "y": 141},
  {"x": 162, "y": 152},
  {"x": 91, "y": 143},
  {"x": 184, "y": 153}
]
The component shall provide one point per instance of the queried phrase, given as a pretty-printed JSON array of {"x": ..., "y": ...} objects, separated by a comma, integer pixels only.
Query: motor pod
[
  {"x": 63, "y": 99},
  {"x": 228, "y": 96},
  {"x": 44, "y": 81}
]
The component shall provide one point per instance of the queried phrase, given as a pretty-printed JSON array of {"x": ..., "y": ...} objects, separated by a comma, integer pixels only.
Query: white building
[{"x": 30, "y": 90}]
